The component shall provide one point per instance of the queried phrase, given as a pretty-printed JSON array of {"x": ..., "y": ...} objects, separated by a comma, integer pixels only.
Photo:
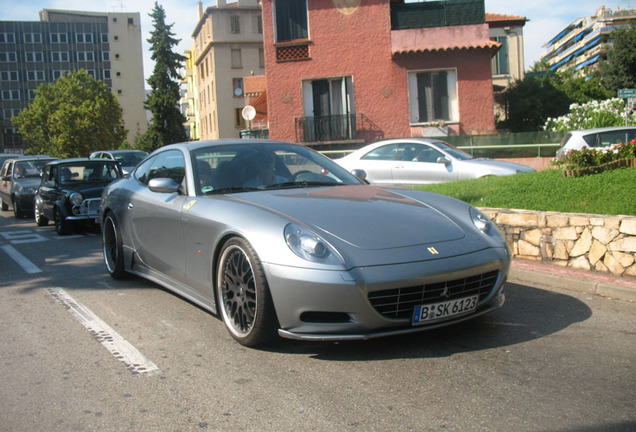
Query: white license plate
[{"x": 438, "y": 311}]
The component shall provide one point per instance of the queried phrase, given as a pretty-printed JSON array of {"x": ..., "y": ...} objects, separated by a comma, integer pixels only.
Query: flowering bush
[
  {"x": 590, "y": 115},
  {"x": 593, "y": 157}
]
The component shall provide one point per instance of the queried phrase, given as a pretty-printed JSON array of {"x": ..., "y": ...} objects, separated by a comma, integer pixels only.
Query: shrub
[{"x": 595, "y": 157}]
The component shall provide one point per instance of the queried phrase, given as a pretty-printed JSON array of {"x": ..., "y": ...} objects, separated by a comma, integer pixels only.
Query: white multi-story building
[
  {"x": 586, "y": 41},
  {"x": 107, "y": 45}
]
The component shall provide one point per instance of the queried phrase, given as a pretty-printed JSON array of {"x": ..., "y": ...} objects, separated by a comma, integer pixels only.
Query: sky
[{"x": 546, "y": 17}]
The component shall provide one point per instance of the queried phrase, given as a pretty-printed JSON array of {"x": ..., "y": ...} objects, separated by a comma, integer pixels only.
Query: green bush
[{"x": 593, "y": 157}]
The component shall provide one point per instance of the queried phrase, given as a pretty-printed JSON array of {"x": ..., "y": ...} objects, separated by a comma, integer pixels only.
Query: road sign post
[{"x": 629, "y": 95}]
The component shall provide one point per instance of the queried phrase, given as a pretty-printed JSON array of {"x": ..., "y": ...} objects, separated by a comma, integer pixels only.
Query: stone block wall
[{"x": 591, "y": 242}]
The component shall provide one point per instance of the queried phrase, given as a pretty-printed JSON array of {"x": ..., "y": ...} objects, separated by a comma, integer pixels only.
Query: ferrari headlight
[
  {"x": 481, "y": 221},
  {"x": 310, "y": 246},
  {"x": 75, "y": 198}
]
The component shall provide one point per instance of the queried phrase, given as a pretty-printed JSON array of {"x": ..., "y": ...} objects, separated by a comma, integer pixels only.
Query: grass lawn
[{"x": 609, "y": 193}]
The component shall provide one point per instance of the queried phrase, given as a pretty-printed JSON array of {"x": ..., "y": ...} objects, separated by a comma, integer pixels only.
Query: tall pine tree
[{"x": 167, "y": 123}]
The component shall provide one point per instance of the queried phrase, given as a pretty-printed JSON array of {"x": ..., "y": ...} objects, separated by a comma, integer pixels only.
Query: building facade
[
  {"x": 586, "y": 41},
  {"x": 350, "y": 72},
  {"x": 106, "y": 45},
  {"x": 228, "y": 46},
  {"x": 508, "y": 62}
]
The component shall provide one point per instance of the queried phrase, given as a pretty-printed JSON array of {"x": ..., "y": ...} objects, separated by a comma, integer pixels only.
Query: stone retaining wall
[{"x": 591, "y": 242}]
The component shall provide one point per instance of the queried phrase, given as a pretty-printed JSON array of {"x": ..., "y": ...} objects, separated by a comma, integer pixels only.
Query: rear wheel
[
  {"x": 40, "y": 219},
  {"x": 113, "y": 247},
  {"x": 243, "y": 295},
  {"x": 4, "y": 206},
  {"x": 62, "y": 226}
]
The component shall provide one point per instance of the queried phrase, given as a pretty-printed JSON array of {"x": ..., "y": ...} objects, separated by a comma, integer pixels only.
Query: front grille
[
  {"x": 399, "y": 302},
  {"x": 88, "y": 207}
]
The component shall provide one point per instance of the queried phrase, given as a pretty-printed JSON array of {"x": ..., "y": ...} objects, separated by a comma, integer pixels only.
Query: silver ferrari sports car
[{"x": 277, "y": 239}]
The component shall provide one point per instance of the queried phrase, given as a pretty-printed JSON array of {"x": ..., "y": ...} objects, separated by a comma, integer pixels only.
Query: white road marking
[
  {"x": 20, "y": 259},
  {"x": 123, "y": 350}
]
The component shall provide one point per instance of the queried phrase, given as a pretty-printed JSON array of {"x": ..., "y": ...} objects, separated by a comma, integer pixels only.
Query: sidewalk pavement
[{"x": 539, "y": 274}]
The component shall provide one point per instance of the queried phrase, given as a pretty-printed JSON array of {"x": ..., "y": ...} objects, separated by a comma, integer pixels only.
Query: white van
[{"x": 601, "y": 137}]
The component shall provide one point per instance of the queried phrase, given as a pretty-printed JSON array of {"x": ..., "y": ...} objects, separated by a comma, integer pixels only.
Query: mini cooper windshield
[{"x": 239, "y": 168}]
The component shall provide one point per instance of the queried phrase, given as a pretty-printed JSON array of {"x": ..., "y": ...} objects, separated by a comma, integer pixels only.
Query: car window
[
  {"x": 591, "y": 140},
  {"x": 612, "y": 137},
  {"x": 424, "y": 153},
  {"x": 29, "y": 169},
  {"x": 130, "y": 158},
  {"x": 169, "y": 164},
  {"x": 6, "y": 169},
  {"x": 386, "y": 152},
  {"x": 50, "y": 176},
  {"x": 141, "y": 173}
]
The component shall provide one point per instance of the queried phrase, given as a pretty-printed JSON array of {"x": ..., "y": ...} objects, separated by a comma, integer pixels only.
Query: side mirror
[
  {"x": 163, "y": 185},
  {"x": 360, "y": 173},
  {"x": 444, "y": 160}
]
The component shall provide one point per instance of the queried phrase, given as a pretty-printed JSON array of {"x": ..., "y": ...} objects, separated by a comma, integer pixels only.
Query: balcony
[
  {"x": 347, "y": 129},
  {"x": 437, "y": 14}
]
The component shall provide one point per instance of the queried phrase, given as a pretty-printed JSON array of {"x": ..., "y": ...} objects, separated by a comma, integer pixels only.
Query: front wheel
[
  {"x": 62, "y": 226},
  {"x": 40, "y": 219},
  {"x": 243, "y": 295},
  {"x": 113, "y": 248},
  {"x": 4, "y": 206},
  {"x": 17, "y": 209}
]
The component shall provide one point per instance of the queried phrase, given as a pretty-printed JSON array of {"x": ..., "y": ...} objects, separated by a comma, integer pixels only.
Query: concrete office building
[{"x": 106, "y": 45}]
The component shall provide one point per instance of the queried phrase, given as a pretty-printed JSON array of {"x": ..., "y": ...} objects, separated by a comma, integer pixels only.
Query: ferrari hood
[{"x": 362, "y": 216}]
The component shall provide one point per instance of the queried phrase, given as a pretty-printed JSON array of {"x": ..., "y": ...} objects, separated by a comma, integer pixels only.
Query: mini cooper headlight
[
  {"x": 481, "y": 221},
  {"x": 310, "y": 246},
  {"x": 75, "y": 198}
]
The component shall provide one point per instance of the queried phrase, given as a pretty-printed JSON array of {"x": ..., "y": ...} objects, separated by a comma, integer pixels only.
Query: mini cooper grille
[{"x": 400, "y": 302}]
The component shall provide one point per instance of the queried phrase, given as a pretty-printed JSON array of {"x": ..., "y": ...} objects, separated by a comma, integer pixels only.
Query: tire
[
  {"x": 62, "y": 226},
  {"x": 113, "y": 248},
  {"x": 40, "y": 219},
  {"x": 243, "y": 296},
  {"x": 17, "y": 210},
  {"x": 4, "y": 206}
]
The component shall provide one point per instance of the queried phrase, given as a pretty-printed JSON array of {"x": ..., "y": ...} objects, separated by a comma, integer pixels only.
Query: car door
[
  {"x": 48, "y": 192},
  {"x": 378, "y": 163},
  {"x": 155, "y": 217},
  {"x": 5, "y": 185},
  {"x": 419, "y": 165}
]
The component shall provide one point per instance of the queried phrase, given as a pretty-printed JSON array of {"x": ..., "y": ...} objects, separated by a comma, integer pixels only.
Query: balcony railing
[{"x": 336, "y": 128}]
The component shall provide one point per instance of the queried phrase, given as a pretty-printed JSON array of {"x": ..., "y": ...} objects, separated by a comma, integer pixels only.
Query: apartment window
[
  {"x": 8, "y": 57},
  {"x": 59, "y": 74},
  {"x": 84, "y": 38},
  {"x": 9, "y": 75},
  {"x": 291, "y": 20},
  {"x": 85, "y": 56},
  {"x": 35, "y": 75},
  {"x": 32, "y": 94},
  {"x": 237, "y": 61},
  {"x": 11, "y": 94},
  {"x": 32, "y": 38},
  {"x": 237, "y": 84},
  {"x": 258, "y": 24},
  {"x": 59, "y": 56},
  {"x": 130, "y": 21},
  {"x": 105, "y": 55},
  {"x": 118, "y": 74},
  {"x": 8, "y": 113},
  {"x": 7, "y": 38},
  {"x": 107, "y": 74},
  {"x": 34, "y": 56},
  {"x": 501, "y": 61},
  {"x": 116, "y": 56},
  {"x": 239, "y": 121},
  {"x": 59, "y": 38},
  {"x": 433, "y": 96},
  {"x": 235, "y": 24},
  {"x": 104, "y": 37}
]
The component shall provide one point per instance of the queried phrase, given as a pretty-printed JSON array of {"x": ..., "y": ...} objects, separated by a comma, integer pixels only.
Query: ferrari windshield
[{"x": 245, "y": 167}]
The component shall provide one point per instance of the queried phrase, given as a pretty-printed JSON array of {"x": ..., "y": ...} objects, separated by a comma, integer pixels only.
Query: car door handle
[{"x": 130, "y": 206}]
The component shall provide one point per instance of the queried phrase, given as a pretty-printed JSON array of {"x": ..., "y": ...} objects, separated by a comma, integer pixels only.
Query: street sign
[{"x": 627, "y": 93}]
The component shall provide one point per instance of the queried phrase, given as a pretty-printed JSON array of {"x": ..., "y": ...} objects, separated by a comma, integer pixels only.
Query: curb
[{"x": 555, "y": 277}]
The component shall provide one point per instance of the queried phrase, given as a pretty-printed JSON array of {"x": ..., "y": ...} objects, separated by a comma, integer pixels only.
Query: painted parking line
[
  {"x": 20, "y": 259},
  {"x": 119, "y": 347}
]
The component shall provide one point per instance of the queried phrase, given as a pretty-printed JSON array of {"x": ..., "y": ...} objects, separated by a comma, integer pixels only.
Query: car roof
[
  {"x": 79, "y": 160},
  {"x": 603, "y": 129},
  {"x": 194, "y": 145}
]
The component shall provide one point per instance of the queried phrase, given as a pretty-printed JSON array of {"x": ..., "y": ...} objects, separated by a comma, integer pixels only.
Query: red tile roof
[
  {"x": 492, "y": 17},
  {"x": 490, "y": 45}
]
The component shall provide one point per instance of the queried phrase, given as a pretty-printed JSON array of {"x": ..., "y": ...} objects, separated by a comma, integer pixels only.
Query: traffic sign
[{"x": 627, "y": 93}]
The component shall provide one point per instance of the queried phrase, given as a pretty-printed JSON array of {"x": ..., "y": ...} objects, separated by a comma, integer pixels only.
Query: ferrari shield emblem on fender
[{"x": 433, "y": 251}]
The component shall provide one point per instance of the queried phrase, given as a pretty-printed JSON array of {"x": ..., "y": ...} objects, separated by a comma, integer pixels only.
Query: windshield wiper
[
  {"x": 231, "y": 189},
  {"x": 300, "y": 184}
]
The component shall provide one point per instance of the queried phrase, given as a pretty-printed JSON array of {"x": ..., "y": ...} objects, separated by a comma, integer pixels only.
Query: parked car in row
[
  {"x": 280, "y": 240},
  {"x": 70, "y": 191},
  {"x": 128, "y": 159},
  {"x": 595, "y": 138},
  {"x": 20, "y": 179},
  {"x": 419, "y": 161}
]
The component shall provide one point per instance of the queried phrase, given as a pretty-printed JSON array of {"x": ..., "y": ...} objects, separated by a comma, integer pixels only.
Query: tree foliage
[
  {"x": 72, "y": 117},
  {"x": 528, "y": 103},
  {"x": 167, "y": 123},
  {"x": 619, "y": 71}
]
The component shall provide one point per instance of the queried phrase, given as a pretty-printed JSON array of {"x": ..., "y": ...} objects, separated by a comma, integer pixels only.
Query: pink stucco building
[{"x": 352, "y": 71}]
